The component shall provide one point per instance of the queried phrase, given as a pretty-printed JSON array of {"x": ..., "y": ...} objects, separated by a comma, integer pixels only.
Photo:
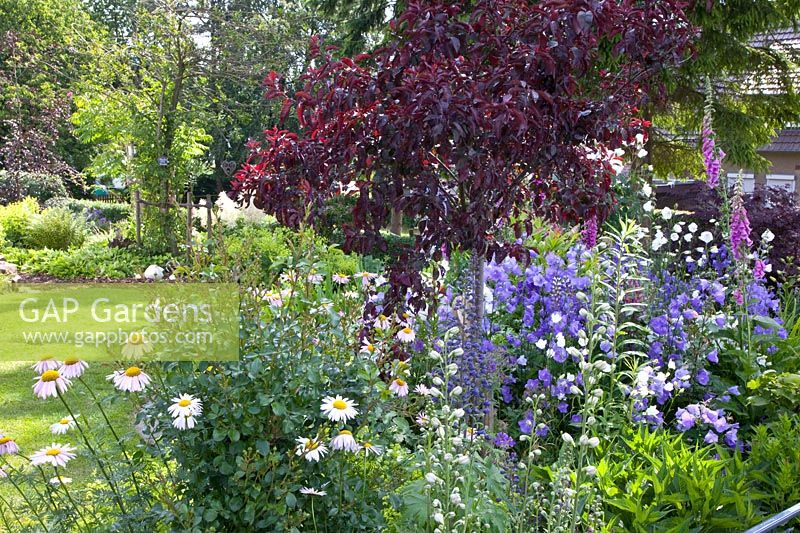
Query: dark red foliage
[
  {"x": 768, "y": 208},
  {"x": 30, "y": 125},
  {"x": 466, "y": 121}
]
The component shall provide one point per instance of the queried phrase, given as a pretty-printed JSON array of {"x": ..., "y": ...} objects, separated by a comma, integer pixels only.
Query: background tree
[
  {"x": 45, "y": 47},
  {"x": 363, "y": 23},
  {"x": 468, "y": 122},
  {"x": 233, "y": 44},
  {"x": 245, "y": 40},
  {"x": 728, "y": 49},
  {"x": 755, "y": 85},
  {"x": 141, "y": 98}
]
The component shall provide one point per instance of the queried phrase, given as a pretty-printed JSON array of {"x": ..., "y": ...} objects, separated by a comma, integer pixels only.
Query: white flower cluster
[{"x": 229, "y": 212}]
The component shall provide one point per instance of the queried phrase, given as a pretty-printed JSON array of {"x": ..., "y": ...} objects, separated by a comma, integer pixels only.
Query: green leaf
[{"x": 291, "y": 500}]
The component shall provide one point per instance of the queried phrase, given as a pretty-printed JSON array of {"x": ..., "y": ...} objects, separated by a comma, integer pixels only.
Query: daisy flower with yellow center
[
  {"x": 50, "y": 383},
  {"x": 136, "y": 345},
  {"x": 314, "y": 277},
  {"x": 422, "y": 419},
  {"x": 8, "y": 446},
  {"x": 339, "y": 409},
  {"x": 311, "y": 449},
  {"x": 365, "y": 277},
  {"x": 406, "y": 335},
  {"x": 341, "y": 279},
  {"x": 399, "y": 387},
  {"x": 372, "y": 449},
  {"x": 184, "y": 410},
  {"x": 345, "y": 441},
  {"x": 273, "y": 298},
  {"x": 383, "y": 322},
  {"x": 132, "y": 379},
  {"x": 55, "y": 454},
  {"x": 422, "y": 390},
  {"x": 73, "y": 368},
  {"x": 47, "y": 363},
  {"x": 369, "y": 348},
  {"x": 310, "y": 491},
  {"x": 62, "y": 426}
]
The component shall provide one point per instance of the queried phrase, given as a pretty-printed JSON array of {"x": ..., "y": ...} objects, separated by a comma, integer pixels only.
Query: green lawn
[{"x": 27, "y": 419}]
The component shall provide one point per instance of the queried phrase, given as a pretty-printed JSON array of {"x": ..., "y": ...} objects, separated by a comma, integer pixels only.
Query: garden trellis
[{"x": 172, "y": 203}]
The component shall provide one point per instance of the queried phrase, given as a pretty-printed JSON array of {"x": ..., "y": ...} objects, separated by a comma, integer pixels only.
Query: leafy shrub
[
  {"x": 17, "y": 185},
  {"x": 17, "y": 217},
  {"x": 768, "y": 208},
  {"x": 268, "y": 245},
  {"x": 654, "y": 480},
  {"x": 256, "y": 243},
  {"x": 94, "y": 210},
  {"x": 239, "y": 466},
  {"x": 2, "y": 237},
  {"x": 774, "y": 464},
  {"x": 57, "y": 229},
  {"x": 337, "y": 211},
  {"x": 92, "y": 261}
]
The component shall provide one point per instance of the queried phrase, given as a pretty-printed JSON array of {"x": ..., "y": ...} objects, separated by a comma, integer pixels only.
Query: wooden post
[
  {"x": 137, "y": 199},
  {"x": 189, "y": 206},
  {"x": 208, "y": 216}
]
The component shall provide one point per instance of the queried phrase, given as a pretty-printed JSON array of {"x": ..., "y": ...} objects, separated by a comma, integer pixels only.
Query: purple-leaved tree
[{"x": 468, "y": 120}]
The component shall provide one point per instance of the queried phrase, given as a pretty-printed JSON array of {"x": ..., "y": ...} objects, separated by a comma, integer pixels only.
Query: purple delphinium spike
[{"x": 589, "y": 233}]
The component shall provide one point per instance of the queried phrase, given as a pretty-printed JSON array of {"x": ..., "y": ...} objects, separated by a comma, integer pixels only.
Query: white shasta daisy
[
  {"x": 55, "y": 454},
  {"x": 339, "y": 409},
  {"x": 311, "y": 449},
  {"x": 345, "y": 441},
  {"x": 132, "y": 379}
]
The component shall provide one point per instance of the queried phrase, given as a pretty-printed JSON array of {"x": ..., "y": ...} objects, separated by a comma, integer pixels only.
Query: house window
[
  {"x": 783, "y": 181},
  {"x": 748, "y": 181}
]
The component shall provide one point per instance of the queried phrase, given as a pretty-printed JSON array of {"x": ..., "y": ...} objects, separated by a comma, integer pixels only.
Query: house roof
[
  {"x": 785, "y": 39},
  {"x": 788, "y": 140}
]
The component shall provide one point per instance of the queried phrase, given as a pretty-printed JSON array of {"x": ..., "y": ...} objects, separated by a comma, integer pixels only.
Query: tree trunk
[
  {"x": 396, "y": 223},
  {"x": 475, "y": 309}
]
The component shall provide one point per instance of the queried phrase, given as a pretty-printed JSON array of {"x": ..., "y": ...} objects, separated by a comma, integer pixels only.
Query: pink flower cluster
[
  {"x": 740, "y": 227},
  {"x": 712, "y": 158}
]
